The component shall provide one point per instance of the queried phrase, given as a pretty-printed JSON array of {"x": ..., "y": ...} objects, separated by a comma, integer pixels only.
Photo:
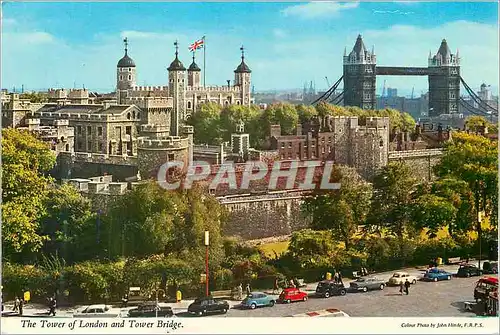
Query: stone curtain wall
[
  {"x": 421, "y": 162},
  {"x": 261, "y": 219}
]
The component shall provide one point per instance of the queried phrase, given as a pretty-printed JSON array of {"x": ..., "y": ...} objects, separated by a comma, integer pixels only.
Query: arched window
[
  {"x": 238, "y": 102},
  {"x": 128, "y": 116},
  {"x": 121, "y": 77},
  {"x": 189, "y": 104},
  {"x": 67, "y": 147},
  {"x": 138, "y": 115},
  {"x": 133, "y": 114},
  {"x": 129, "y": 77},
  {"x": 226, "y": 102}
]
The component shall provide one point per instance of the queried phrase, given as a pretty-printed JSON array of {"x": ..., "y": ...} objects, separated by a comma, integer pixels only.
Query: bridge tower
[
  {"x": 360, "y": 77},
  {"x": 444, "y": 81}
]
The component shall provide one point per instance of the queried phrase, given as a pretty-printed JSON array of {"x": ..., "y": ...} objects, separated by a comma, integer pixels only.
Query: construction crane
[
  {"x": 412, "y": 91},
  {"x": 327, "y": 82}
]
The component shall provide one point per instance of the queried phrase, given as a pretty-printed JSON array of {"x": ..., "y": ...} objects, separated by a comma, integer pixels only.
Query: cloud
[
  {"x": 37, "y": 37},
  {"x": 279, "y": 33},
  {"x": 318, "y": 9},
  {"x": 392, "y": 12},
  {"x": 8, "y": 22}
]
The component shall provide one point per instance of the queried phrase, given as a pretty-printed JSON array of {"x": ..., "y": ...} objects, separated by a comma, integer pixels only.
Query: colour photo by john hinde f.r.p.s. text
[{"x": 174, "y": 167}]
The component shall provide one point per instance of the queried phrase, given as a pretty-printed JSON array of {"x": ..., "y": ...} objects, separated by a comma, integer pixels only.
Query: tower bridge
[{"x": 360, "y": 71}]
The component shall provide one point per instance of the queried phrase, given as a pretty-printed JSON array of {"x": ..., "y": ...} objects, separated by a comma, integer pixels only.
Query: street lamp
[
  {"x": 207, "y": 243},
  {"x": 480, "y": 235}
]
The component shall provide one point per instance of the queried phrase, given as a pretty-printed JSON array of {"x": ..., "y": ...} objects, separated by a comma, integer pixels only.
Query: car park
[
  {"x": 289, "y": 295},
  {"x": 150, "y": 309},
  {"x": 258, "y": 299},
  {"x": 468, "y": 270},
  {"x": 436, "y": 274},
  {"x": 329, "y": 312},
  {"x": 208, "y": 305},
  {"x": 367, "y": 283},
  {"x": 401, "y": 277},
  {"x": 327, "y": 288}
]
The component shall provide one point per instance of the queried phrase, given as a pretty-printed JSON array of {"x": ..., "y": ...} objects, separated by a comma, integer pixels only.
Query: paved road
[{"x": 444, "y": 298}]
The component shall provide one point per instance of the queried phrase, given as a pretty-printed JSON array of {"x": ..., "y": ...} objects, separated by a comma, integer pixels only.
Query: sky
[{"x": 286, "y": 44}]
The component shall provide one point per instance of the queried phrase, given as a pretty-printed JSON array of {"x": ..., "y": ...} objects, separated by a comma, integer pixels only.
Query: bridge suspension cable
[
  {"x": 329, "y": 92},
  {"x": 482, "y": 104},
  {"x": 472, "y": 109}
]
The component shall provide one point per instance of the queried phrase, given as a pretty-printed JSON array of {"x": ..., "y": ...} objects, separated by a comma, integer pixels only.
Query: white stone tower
[
  {"x": 242, "y": 78},
  {"x": 177, "y": 89},
  {"x": 125, "y": 75},
  {"x": 194, "y": 74}
]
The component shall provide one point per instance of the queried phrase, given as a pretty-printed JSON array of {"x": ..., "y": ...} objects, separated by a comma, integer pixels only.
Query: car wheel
[
  {"x": 305, "y": 298},
  {"x": 224, "y": 311},
  {"x": 327, "y": 294},
  {"x": 253, "y": 306},
  {"x": 382, "y": 286},
  {"x": 365, "y": 289},
  {"x": 271, "y": 303},
  {"x": 467, "y": 275},
  {"x": 288, "y": 301},
  {"x": 414, "y": 281},
  {"x": 200, "y": 313},
  {"x": 448, "y": 278},
  {"x": 435, "y": 279},
  {"x": 343, "y": 292}
]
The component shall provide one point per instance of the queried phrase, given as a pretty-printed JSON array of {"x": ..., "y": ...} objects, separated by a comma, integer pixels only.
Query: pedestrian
[
  {"x": 52, "y": 306},
  {"x": 275, "y": 287},
  {"x": 401, "y": 287},
  {"x": 16, "y": 304},
  {"x": 248, "y": 289},
  {"x": 335, "y": 277},
  {"x": 340, "y": 279},
  {"x": 296, "y": 282},
  {"x": 21, "y": 303},
  {"x": 240, "y": 291},
  {"x": 292, "y": 284},
  {"x": 407, "y": 287}
]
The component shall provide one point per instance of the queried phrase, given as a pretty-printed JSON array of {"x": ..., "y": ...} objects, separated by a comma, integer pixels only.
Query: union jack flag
[{"x": 197, "y": 45}]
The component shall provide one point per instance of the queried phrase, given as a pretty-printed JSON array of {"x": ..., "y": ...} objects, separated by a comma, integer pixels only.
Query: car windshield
[
  {"x": 360, "y": 280},
  {"x": 396, "y": 275}
]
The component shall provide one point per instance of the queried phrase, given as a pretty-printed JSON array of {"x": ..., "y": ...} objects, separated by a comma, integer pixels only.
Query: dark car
[
  {"x": 490, "y": 267},
  {"x": 150, "y": 310},
  {"x": 367, "y": 283},
  {"x": 208, "y": 305},
  {"x": 327, "y": 288},
  {"x": 468, "y": 270}
]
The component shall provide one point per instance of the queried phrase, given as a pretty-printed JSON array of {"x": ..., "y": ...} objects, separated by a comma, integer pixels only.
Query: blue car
[
  {"x": 258, "y": 299},
  {"x": 437, "y": 274}
]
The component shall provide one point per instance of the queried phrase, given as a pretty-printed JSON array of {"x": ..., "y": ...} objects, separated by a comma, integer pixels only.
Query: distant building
[{"x": 392, "y": 92}]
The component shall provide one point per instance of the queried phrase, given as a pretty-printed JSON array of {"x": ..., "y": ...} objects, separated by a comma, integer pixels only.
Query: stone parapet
[
  {"x": 415, "y": 153},
  {"x": 166, "y": 143},
  {"x": 100, "y": 158}
]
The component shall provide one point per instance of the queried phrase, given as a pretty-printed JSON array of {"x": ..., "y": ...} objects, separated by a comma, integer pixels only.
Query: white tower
[{"x": 176, "y": 87}]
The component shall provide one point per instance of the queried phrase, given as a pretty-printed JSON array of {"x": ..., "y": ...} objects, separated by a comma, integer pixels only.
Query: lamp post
[
  {"x": 480, "y": 235},
  {"x": 207, "y": 243}
]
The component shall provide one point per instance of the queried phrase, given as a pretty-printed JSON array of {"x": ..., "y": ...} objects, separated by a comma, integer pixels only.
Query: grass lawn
[{"x": 270, "y": 248}]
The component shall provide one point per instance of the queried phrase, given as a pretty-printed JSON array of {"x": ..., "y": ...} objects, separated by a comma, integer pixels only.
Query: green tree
[
  {"x": 283, "y": 114},
  {"x": 392, "y": 200},
  {"x": 306, "y": 113},
  {"x": 476, "y": 122},
  {"x": 206, "y": 123},
  {"x": 341, "y": 211},
  {"x": 69, "y": 224},
  {"x": 25, "y": 161},
  {"x": 433, "y": 212}
]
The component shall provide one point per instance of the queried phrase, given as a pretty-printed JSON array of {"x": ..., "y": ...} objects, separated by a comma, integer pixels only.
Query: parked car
[
  {"x": 290, "y": 294},
  {"x": 435, "y": 274},
  {"x": 367, "y": 283},
  {"x": 327, "y": 288},
  {"x": 490, "y": 267},
  {"x": 258, "y": 299},
  {"x": 208, "y": 305},
  {"x": 401, "y": 277},
  {"x": 150, "y": 310},
  {"x": 468, "y": 270},
  {"x": 97, "y": 311},
  {"x": 484, "y": 286}
]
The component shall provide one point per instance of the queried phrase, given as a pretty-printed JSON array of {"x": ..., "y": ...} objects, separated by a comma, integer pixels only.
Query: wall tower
[
  {"x": 176, "y": 87},
  {"x": 444, "y": 81},
  {"x": 194, "y": 74},
  {"x": 360, "y": 76}
]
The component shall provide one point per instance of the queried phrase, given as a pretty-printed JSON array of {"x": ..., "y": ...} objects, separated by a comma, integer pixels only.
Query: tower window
[
  {"x": 99, "y": 131},
  {"x": 189, "y": 104},
  {"x": 121, "y": 77},
  {"x": 129, "y": 69},
  {"x": 89, "y": 130},
  {"x": 129, "y": 77},
  {"x": 128, "y": 116}
]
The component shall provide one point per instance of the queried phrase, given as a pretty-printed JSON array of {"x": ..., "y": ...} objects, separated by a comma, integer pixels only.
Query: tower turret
[
  {"x": 242, "y": 78},
  {"x": 125, "y": 74},
  {"x": 177, "y": 89},
  {"x": 360, "y": 76},
  {"x": 194, "y": 74},
  {"x": 444, "y": 81}
]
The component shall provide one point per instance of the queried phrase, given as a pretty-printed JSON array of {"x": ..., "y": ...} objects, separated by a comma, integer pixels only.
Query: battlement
[
  {"x": 165, "y": 143},
  {"x": 187, "y": 130},
  {"x": 230, "y": 89},
  {"x": 78, "y": 116},
  {"x": 100, "y": 158},
  {"x": 149, "y": 88},
  {"x": 154, "y": 128},
  {"x": 58, "y": 93},
  {"x": 415, "y": 153},
  {"x": 32, "y": 122},
  {"x": 60, "y": 123},
  {"x": 377, "y": 122},
  {"x": 151, "y": 102},
  {"x": 78, "y": 93}
]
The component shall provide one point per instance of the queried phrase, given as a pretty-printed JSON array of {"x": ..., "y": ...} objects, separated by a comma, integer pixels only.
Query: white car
[
  {"x": 401, "y": 277},
  {"x": 97, "y": 311}
]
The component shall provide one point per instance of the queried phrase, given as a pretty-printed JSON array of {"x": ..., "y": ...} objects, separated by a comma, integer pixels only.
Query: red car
[{"x": 292, "y": 294}]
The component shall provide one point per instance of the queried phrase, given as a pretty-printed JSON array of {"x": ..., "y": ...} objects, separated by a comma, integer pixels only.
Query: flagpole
[{"x": 204, "y": 61}]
